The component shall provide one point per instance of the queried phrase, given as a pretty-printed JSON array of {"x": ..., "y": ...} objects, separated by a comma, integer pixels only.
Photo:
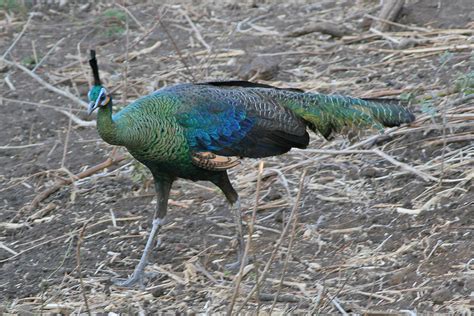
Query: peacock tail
[{"x": 329, "y": 114}]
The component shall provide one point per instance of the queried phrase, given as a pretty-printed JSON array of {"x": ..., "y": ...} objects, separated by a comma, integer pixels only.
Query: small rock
[
  {"x": 407, "y": 204},
  {"x": 273, "y": 196},
  {"x": 352, "y": 173},
  {"x": 261, "y": 67},
  {"x": 279, "y": 217},
  {"x": 407, "y": 43},
  {"x": 158, "y": 292},
  {"x": 368, "y": 172},
  {"x": 441, "y": 296},
  {"x": 469, "y": 284},
  {"x": 3, "y": 67}
]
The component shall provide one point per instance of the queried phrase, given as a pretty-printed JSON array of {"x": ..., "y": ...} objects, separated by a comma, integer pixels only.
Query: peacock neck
[{"x": 106, "y": 126}]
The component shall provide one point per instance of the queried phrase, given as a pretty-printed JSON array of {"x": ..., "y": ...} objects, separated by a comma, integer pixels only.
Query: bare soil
[{"x": 371, "y": 235}]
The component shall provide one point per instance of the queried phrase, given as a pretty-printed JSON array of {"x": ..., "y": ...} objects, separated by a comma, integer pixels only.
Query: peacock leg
[
  {"x": 138, "y": 274},
  {"x": 162, "y": 187},
  {"x": 236, "y": 210},
  {"x": 223, "y": 182}
]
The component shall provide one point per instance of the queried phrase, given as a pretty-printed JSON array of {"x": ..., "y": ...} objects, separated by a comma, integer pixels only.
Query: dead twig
[
  {"x": 66, "y": 139},
  {"x": 20, "y": 146},
  {"x": 4, "y": 247},
  {"x": 79, "y": 267},
  {"x": 423, "y": 175},
  {"x": 19, "y": 225},
  {"x": 42, "y": 212},
  {"x": 60, "y": 183},
  {"x": 196, "y": 31},
  {"x": 59, "y": 109},
  {"x": 336, "y": 303},
  {"x": 325, "y": 27},
  {"x": 142, "y": 28},
  {"x": 77, "y": 120},
  {"x": 135, "y": 54},
  {"x": 178, "y": 51},
  {"x": 389, "y": 12},
  {"x": 430, "y": 49},
  {"x": 414, "y": 28},
  {"x": 249, "y": 240},
  {"x": 278, "y": 244},
  {"x": 385, "y": 36},
  {"x": 18, "y": 37},
  {"x": 286, "y": 298},
  {"x": 287, "y": 259},
  {"x": 48, "y": 86},
  {"x": 38, "y": 64},
  {"x": 48, "y": 106}
]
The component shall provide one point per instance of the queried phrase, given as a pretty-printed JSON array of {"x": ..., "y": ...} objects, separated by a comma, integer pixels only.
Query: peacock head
[{"x": 98, "y": 95}]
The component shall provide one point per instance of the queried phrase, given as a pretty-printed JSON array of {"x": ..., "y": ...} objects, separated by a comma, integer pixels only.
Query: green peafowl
[{"x": 199, "y": 131}]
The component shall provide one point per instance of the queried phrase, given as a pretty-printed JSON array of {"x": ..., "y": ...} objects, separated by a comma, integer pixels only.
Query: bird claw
[
  {"x": 234, "y": 266},
  {"x": 133, "y": 280}
]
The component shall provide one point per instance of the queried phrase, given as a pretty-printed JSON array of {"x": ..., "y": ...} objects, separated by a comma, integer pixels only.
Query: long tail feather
[{"x": 329, "y": 114}]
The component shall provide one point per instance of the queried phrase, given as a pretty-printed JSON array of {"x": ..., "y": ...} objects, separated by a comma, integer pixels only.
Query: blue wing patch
[{"x": 214, "y": 126}]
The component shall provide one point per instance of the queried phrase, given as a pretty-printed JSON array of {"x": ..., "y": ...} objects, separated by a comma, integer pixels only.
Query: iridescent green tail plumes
[{"x": 329, "y": 114}]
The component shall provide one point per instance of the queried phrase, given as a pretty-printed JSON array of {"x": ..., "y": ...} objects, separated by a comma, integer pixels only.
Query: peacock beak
[{"x": 92, "y": 107}]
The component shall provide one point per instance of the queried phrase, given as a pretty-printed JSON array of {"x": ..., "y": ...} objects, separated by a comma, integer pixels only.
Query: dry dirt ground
[{"x": 382, "y": 223}]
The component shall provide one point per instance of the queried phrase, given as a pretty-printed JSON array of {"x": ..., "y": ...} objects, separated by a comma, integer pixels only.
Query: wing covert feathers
[
  {"x": 243, "y": 119},
  {"x": 213, "y": 162}
]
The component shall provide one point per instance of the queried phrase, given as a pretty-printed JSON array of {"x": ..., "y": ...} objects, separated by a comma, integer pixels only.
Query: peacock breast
[{"x": 151, "y": 133}]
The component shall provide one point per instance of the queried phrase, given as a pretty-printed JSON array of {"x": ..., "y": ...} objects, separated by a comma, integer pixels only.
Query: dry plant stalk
[
  {"x": 18, "y": 37},
  {"x": 70, "y": 234},
  {"x": 178, "y": 51},
  {"x": 325, "y": 27},
  {"x": 80, "y": 239},
  {"x": 288, "y": 254},
  {"x": 249, "y": 240},
  {"x": 60, "y": 183},
  {"x": 390, "y": 11},
  {"x": 47, "y": 85},
  {"x": 263, "y": 276},
  {"x": 66, "y": 139}
]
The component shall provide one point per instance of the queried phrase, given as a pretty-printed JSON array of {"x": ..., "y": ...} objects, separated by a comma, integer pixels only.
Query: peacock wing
[{"x": 238, "y": 122}]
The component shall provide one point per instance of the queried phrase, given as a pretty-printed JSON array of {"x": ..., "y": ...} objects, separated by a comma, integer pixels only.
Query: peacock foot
[
  {"x": 136, "y": 279},
  {"x": 138, "y": 276},
  {"x": 234, "y": 266},
  {"x": 240, "y": 256}
]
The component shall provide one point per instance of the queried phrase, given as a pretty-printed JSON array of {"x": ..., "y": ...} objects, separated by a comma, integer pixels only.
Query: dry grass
[{"x": 327, "y": 256}]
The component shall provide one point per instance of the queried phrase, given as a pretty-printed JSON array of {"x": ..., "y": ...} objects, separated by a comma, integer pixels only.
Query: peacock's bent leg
[
  {"x": 222, "y": 181},
  {"x": 236, "y": 210},
  {"x": 162, "y": 188}
]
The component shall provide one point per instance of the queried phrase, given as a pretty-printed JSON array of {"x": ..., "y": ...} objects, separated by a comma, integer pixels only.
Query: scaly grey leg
[
  {"x": 162, "y": 188},
  {"x": 138, "y": 274},
  {"x": 236, "y": 210}
]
